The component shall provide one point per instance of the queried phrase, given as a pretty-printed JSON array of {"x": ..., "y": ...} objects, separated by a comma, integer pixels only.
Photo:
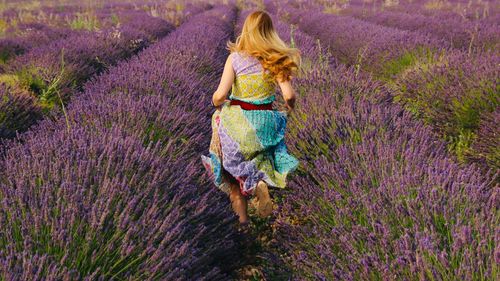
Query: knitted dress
[{"x": 249, "y": 144}]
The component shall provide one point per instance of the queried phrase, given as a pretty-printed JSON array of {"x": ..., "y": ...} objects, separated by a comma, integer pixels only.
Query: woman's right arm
[
  {"x": 225, "y": 83},
  {"x": 288, "y": 94}
]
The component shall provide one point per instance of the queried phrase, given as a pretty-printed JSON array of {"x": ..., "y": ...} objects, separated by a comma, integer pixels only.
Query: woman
[{"x": 247, "y": 149}]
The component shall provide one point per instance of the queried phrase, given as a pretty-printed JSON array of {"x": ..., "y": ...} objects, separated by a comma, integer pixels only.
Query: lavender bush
[
  {"x": 454, "y": 10},
  {"x": 115, "y": 211},
  {"x": 18, "y": 110},
  {"x": 463, "y": 34},
  {"x": 85, "y": 54},
  {"x": 383, "y": 51},
  {"x": 54, "y": 72},
  {"x": 486, "y": 147},
  {"x": 110, "y": 193},
  {"x": 42, "y": 26},
  {"x": 451, "y": 94},
  {"x": 378, "y": 196},
  {"x": 113, "y": 188},
  {"x": 450, "y": 89},
  {"x": 33, "y": 35},
  {"x": 34, "y": 28}
]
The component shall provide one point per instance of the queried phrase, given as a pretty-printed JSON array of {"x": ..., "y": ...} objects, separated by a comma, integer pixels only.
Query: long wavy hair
[{"x": 258, "y": 38}]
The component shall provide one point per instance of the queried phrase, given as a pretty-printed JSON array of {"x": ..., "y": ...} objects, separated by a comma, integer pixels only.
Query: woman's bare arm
[
  {"x": 288, "y": 94},
  {"x": 225, "y": 84}
]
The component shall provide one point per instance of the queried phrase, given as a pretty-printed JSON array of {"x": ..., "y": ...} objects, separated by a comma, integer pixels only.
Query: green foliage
[
  {"x": 30, "y": 77},
  {"x": 3, "y": 27},
  {"x": 205, "y": 69},
  {"x": 115, "y": 19},
  {"x": 461, "y": 143},
  {"x": 47, "y": 91},
  {"x": 4, "y": 56},
  {"x": 154, "y": 134},
  {"x": 418, "y": 56},
  {"x": 10, "y": 80},
  {"x": 446, "y": 95},
  {"x": 85, "y": 21}
]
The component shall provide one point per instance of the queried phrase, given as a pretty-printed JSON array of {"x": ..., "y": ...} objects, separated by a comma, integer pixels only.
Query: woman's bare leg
[{"x": 238, "y": 202}]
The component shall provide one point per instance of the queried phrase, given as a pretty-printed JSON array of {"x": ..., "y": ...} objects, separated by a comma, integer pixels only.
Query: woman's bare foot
[{"x": 264, "y": 204}]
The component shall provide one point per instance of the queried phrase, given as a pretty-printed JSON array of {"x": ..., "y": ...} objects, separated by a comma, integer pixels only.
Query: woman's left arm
[{"x": 225, "y": 84}]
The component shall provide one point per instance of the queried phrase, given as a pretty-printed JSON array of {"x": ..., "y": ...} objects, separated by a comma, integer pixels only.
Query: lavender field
[{"x": 105, "y": 109}]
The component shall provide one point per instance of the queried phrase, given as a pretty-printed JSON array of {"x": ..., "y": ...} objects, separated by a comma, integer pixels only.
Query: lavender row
[
  {"x": 116, "y": 192},
  {"x": 486, "y": 147},
  {"x": 384, "y": 51},
  {"x": 378, "y": 195},
  {"x": 472, "y": 11},
  {"x": 34, "y": 34},
  {"x": 450, "y": 89},
  {"x": 174, "y": 11},
  {"x": 54, "y": 72},
  {"x": 389, "y": 206},
  {"x": 463, "y": 34},
  {"x": 52, "y": 23},
  {"x": 16, "y": 110},
  {"x": 453, "y": 10},
  {"x": 49, "y": 23},
  {"x": 454, "y": 94}
]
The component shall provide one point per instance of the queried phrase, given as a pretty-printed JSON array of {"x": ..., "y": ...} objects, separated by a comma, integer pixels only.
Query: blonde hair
[{"x": 258, "y": 38}]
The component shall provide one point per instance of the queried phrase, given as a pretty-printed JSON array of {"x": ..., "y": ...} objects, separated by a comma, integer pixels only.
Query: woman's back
[
  {"x": 247, "y": 151},
  {"x": 250, "y": 85}
]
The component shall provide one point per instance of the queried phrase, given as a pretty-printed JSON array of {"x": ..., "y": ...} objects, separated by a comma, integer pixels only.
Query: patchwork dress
[{"x": 249, "y": 144}]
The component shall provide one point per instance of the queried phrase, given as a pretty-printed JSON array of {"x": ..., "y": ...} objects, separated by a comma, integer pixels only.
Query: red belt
[{"x": 251, "y": 106}]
